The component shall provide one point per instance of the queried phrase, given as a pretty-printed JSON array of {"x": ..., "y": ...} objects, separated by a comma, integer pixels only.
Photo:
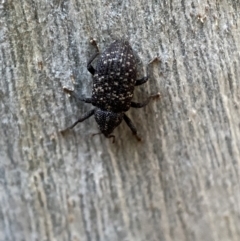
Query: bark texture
[{"x": 181, "y": 183}]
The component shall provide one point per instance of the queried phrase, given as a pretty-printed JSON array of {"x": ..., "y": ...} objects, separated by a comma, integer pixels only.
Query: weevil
[{"x": 114, "y": 79}]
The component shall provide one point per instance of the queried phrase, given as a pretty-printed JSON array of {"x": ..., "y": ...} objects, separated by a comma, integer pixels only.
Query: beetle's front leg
[
  {"x": 131, "y": 126},
  {"x": 81, "y": 119}
]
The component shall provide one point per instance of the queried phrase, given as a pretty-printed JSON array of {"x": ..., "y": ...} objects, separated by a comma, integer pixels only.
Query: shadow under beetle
[{"x": 114, "y": 79}]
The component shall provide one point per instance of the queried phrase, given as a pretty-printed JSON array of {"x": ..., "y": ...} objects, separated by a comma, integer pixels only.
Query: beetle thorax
[{"x": 107, "y": 121}]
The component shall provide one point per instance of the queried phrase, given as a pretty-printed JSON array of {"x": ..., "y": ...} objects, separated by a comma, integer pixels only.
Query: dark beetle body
[{"x": 114, "y": 79}]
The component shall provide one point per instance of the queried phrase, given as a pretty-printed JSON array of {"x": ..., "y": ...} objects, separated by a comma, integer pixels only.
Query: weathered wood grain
[{"x": 181, "y": 183}]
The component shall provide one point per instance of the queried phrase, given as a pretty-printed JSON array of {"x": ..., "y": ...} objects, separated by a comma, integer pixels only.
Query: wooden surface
[{"x": 181, "y": 183}]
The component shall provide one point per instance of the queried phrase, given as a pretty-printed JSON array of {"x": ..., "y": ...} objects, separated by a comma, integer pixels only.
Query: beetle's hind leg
[
  {"x": 94, "y": 43},
  {"x": 89, "y": 64},
  {"x": 140, "y": 105},
  {"x": 72, "y": 93},
  {"x": 145, "y": 78},
  {"x": 141, "y": 81}
]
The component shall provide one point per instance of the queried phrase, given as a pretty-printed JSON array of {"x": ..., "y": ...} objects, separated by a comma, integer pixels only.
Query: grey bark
[{"x": 180, "y": 183}]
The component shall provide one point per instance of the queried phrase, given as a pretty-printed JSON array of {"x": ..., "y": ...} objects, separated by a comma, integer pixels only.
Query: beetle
[{"x": 114, "y": 79}]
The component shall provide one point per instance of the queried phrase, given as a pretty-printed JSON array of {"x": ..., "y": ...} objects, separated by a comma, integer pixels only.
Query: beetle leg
[
  {"x": 89, "y": 64},
  {"x": 72, "y": 93},
  {"x": 110, "y": 136},
  {"x": 113, "y": 138},
  {"x": 94, "y": 43},
  {"x": 145, "y": 79},
  {"x": 81, "y": 119},
  {"x": 140, "y": 105},
  {"x": 131, "y": 126},
  {"x": 141, "y": 81}
]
